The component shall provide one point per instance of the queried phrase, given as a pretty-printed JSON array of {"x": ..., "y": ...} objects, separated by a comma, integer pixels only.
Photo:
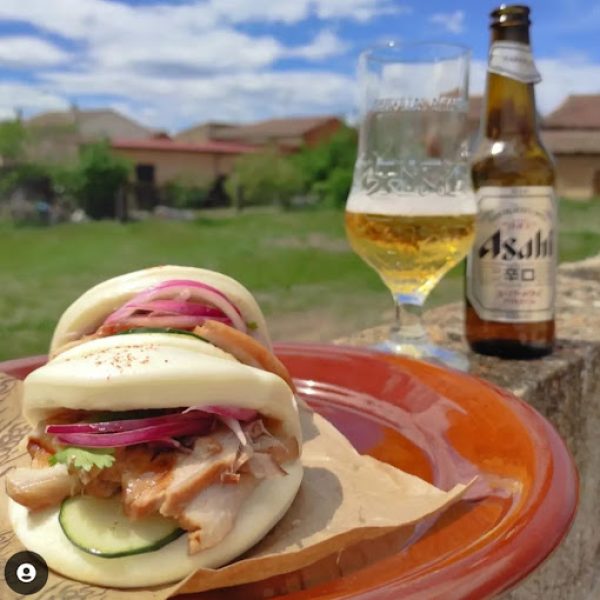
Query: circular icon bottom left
[{"x": 26, "y": 573}]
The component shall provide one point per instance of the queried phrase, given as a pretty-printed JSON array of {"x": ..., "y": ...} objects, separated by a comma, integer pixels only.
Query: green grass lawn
[{"x": 309, "y": 283}]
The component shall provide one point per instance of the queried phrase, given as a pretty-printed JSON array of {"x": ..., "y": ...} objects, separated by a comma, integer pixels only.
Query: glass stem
[{"x": 409, "y": 320}]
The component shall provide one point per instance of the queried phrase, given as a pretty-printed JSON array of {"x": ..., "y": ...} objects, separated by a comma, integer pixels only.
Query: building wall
[
  {"x": 575, "y": 175},
  {"x": 188, "y": 167}
]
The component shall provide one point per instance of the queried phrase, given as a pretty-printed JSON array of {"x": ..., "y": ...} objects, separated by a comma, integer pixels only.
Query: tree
[
  {"x": 264, "y": 178},
  {"x": 333, "y": 191},
  {"x": 327, "y": 168},
  {"x": 100, "y": 176},
  {"x": 13, "y": 137}
]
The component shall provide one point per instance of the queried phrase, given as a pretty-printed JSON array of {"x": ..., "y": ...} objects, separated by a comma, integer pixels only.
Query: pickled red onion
[
  {"x": 142, "y": 435},
  {"x": 176, "y": 307},
  {"x": 177, "y": 293},
  {"x": 126, "y": 432},
  {"x": 126, "y": 424}
]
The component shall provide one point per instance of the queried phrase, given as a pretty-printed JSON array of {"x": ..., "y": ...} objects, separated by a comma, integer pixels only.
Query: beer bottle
[{"x": 511, "y": 269}]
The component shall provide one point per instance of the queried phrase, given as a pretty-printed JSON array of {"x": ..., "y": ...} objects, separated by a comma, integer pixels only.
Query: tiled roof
[
  {"x": 275, "y": 128},
  {"x": 289, "y": 130},
  {"x": 202, "y": 129},
  {"x": 92, "y": 124},
  {"x": 168, "y": 145},
  {"x": 576, "y": 112}
]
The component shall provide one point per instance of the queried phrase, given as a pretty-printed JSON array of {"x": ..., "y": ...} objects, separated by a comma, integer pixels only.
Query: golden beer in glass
[
  {"x": 410, "y": 253},
  {"x": 411, "y": 212}
]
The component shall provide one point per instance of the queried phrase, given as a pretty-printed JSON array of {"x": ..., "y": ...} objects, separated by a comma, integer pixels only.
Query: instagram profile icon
[{"x": 26, "y": 573}]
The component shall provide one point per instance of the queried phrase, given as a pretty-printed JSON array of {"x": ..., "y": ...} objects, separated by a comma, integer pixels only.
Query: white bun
[
  {"x": 88, "y": 312},
  {"x": 160, "y": 370},
  {"x": 41, "y": 533},
  {"x": 144, "y": 371}
]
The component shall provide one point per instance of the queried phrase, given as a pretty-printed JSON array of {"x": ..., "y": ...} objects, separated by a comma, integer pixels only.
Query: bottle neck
[{"x": 510, "y": 104}]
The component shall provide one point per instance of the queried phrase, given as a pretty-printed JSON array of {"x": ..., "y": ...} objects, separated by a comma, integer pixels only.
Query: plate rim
[{"x": 499, "y": 583}]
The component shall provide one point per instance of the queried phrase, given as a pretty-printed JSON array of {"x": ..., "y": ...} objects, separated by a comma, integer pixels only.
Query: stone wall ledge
[{"x": 565, "y": 388}]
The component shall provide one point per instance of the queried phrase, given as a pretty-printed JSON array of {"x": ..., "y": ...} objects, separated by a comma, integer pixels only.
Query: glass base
[{"x": 425, "y": 350}]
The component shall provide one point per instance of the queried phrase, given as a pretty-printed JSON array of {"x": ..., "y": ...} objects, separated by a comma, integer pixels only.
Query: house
[
  {"x": 160, "y": 160},
  {"x": 288, "y": 134},
  {"x": 92, "y": 124},
  {"x": 572, "y": 134},
  {"x": 204, "y": 132},
  {"x": 57, "y": 136}
]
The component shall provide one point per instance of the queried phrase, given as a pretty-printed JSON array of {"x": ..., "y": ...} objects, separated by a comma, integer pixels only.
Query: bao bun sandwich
[{"x": 165, "y": 437}]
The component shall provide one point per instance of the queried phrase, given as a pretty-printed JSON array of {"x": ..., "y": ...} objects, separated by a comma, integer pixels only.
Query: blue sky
[{"x": 173, "y": 64}]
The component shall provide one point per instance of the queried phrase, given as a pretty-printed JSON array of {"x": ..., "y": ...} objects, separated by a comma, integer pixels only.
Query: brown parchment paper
[{"x": 344, "y": 498}]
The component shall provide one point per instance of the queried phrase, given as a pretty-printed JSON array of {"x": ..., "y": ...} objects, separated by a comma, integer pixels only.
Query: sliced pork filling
[{"x": 199, "y": 479}]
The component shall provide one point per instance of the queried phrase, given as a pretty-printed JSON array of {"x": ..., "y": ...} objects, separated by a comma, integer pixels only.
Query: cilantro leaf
[
  {"x": 84, "y": 458},
  {"x": 252, "y": 325}
]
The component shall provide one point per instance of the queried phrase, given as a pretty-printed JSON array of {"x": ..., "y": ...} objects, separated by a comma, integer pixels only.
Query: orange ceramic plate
[{"x": 443, "y": 426}]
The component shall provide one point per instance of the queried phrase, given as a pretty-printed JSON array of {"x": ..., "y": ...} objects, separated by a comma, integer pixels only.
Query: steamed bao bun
[
  {"x": 88, "y": 312},
  {"x": 142, "y": 371},
  {"x": 145, "y": 371}
]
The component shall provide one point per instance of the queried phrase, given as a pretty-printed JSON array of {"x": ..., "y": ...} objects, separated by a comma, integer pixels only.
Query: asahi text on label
[
  {"x": 508, "y": 248},
  {"x": 511, "y": 269}
]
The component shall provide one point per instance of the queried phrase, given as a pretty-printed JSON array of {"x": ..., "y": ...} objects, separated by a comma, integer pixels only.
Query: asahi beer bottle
[{"x": 511, "y": 270}]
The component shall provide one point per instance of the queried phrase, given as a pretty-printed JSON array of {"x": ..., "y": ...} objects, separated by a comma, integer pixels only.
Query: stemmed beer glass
[{"x": 411, "y": 212}]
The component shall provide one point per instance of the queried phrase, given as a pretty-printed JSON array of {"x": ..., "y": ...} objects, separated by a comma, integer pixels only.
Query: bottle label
[
  {"x": 511, "y": 269},
  {"x": 514, "y": 60}
]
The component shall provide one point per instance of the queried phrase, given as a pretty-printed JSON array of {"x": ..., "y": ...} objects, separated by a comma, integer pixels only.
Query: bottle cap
[{"x": 510, "y": 15}]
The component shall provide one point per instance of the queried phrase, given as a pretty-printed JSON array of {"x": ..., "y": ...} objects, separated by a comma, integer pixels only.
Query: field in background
[{"x": 309, "y": 283}]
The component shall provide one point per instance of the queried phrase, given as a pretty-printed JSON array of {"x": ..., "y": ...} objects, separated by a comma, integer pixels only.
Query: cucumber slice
[
  {"x": 160, "y": 330},
  {"x": 100, "y": 527}
]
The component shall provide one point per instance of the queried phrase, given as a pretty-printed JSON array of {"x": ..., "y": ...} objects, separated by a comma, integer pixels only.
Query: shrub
[
  {"x": 100, "y": 175},
  {"x": 181, "y": 195},
  {"x": 29, "y": 175},
  {"x": 333, "y": 191},
  {"x": 328, "y": 167},
  {"x": 13, "y": 137},
  {"x": 264, "y": 178}
]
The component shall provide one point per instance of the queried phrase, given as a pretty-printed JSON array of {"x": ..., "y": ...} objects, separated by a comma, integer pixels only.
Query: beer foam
[{"x": 412, "y": 204}]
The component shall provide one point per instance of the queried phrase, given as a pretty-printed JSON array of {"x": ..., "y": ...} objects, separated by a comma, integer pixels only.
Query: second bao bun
[{"x": 88, "y": 312}]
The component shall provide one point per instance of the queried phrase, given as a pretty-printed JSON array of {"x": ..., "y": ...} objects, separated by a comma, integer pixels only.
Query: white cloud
[
  {"x": 358, "y": 10},
  {"x": 15, "y": 96},
  {"x": 174, "y": 41},
  {"x": 70, "y": 18},
  {"x": 95, "y": 19},
  {"x": 326, "y": 44},
  {"x": 294, "y": 11},
  {"x": 176, "y": 53},
  {"x": 561, "y": 77},
  {"x": 20, "y": 52},
  {"x": 241, "y": 11},
  {"x": 235, "y": 96},
  {"x": 452, "y": 22},
  {"x": 174, "y": 64}
]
